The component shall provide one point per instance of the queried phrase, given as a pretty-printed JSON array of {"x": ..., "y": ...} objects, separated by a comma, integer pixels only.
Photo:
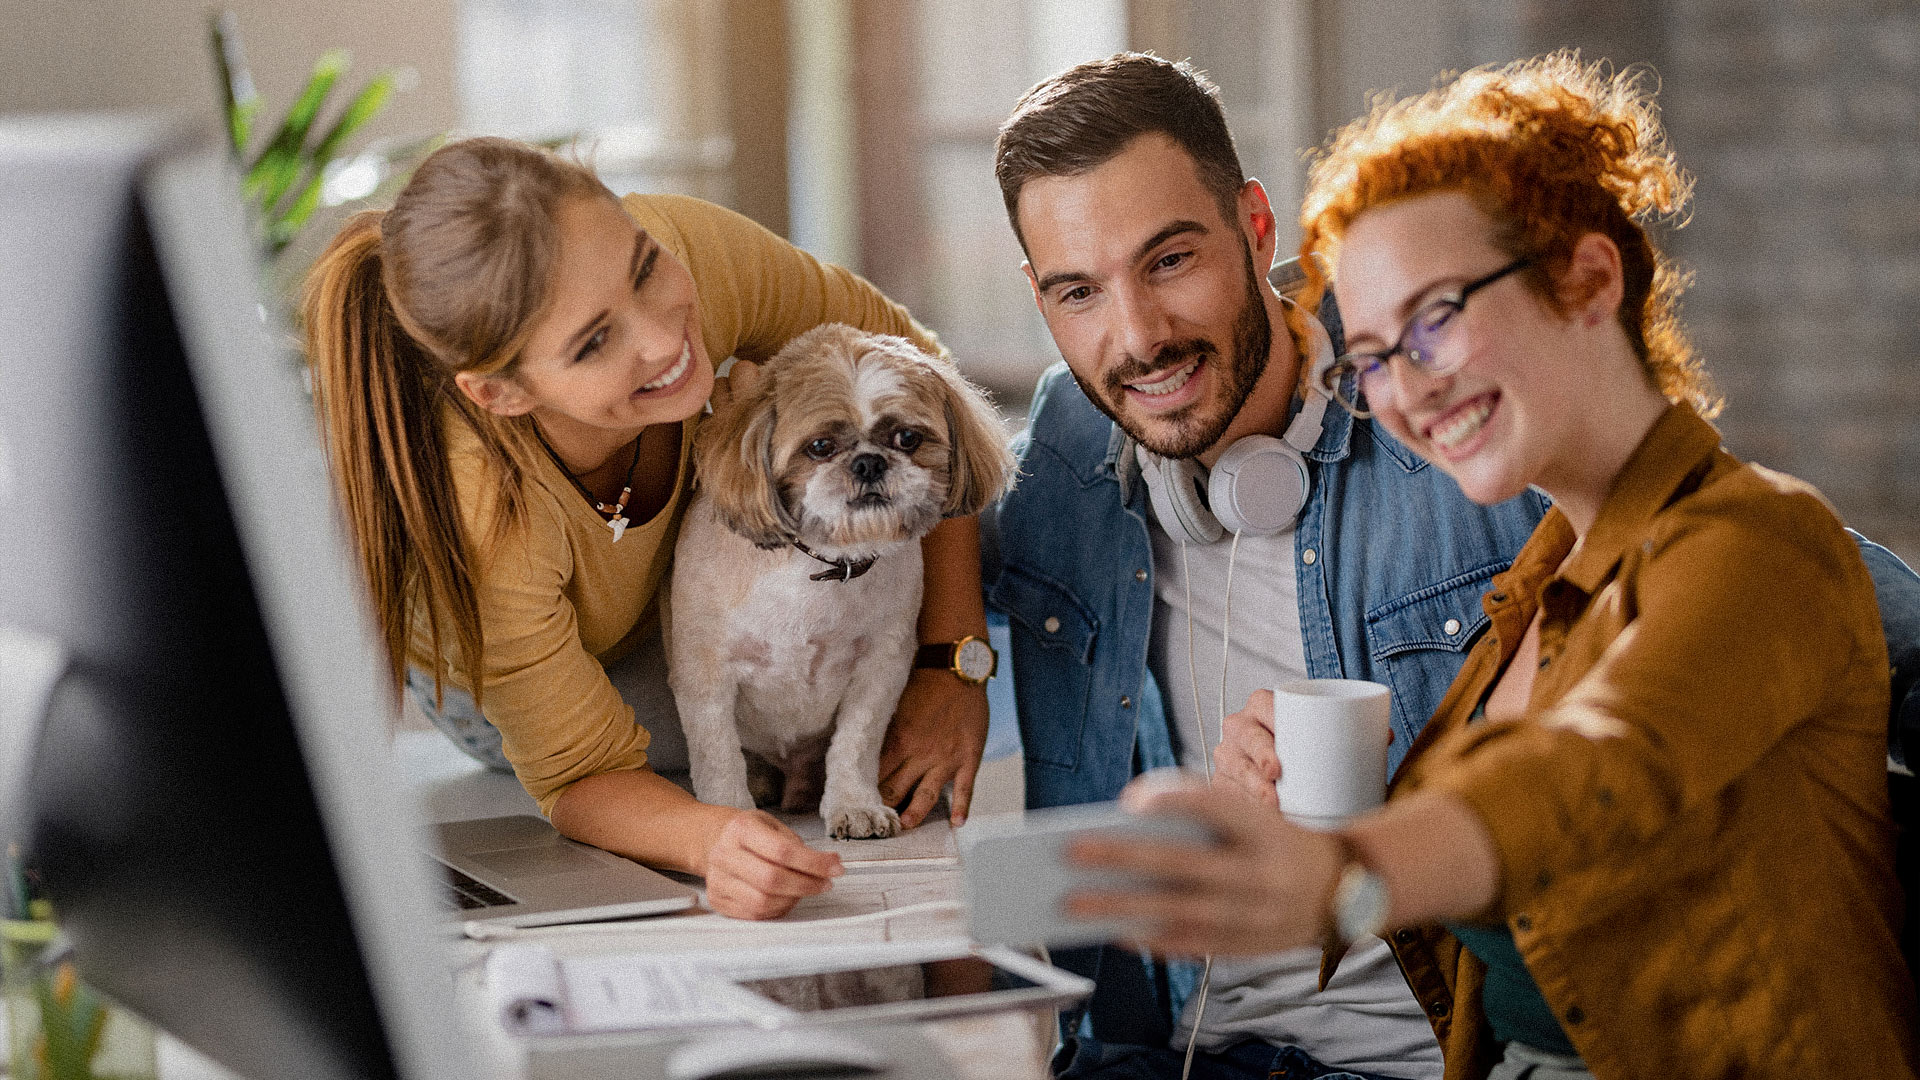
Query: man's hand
[
  {"x": 757, "y": 868},
  {"x": 938, "y": 733},
  {"x": 1245, "y": 759}
]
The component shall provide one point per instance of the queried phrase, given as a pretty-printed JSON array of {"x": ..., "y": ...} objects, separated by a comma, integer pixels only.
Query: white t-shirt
[{"x": 1367, "y": 1018}]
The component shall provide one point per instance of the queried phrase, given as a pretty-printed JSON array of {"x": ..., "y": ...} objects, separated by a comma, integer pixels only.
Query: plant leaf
[
  {"x": 279, "y": 164},
  {"x": 365, "y": 106},
  {"x": 239, "y": 100}
]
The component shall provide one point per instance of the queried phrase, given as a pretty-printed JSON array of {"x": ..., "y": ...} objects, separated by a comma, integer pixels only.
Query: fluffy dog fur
[{"x": 855, "y": 445}]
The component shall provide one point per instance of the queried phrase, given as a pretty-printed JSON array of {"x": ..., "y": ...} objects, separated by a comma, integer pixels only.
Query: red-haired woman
[
  {"x": 508, "y": 366},
  {"x": 1646, "y": 833}
]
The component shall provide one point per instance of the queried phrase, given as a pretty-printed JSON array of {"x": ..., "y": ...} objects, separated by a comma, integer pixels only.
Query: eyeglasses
[{"x": 1422, "y": 342}]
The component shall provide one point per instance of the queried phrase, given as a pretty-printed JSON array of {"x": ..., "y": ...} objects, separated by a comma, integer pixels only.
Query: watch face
[
  {"x": 1361, "y": 903},
  {"x": 975, "y": 660}
]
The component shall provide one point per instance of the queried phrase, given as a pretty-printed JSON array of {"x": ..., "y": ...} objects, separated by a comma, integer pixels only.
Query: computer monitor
[{"x": 211, "y": 799}]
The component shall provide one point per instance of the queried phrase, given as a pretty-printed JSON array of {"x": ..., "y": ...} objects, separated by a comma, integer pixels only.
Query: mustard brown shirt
[
  {"x": 557, "y": 597},
  {"x": 1691, "y": 817}
]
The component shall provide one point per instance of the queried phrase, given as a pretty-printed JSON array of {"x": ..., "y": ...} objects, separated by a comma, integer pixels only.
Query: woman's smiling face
[
  {"x": 619, "y": 346},
  {"x": 1507, "y": 416}
]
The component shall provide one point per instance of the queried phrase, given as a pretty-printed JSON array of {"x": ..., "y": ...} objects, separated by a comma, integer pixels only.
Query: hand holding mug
[{"x": 1245, "y": 761}]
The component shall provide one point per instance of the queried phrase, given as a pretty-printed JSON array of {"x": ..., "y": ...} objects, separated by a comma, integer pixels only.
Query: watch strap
[{"x": 936, "y": 654}]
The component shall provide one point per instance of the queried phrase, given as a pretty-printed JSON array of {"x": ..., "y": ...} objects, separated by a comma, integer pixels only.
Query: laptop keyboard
[{"x": 466, "y": 894}]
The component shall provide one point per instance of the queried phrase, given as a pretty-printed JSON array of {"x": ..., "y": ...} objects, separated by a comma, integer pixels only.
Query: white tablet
[{"x": 912, "y": 981}]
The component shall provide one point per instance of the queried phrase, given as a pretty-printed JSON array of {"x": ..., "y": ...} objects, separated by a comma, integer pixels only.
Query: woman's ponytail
[
  {"x": 378, "y": 395},
  {"x": 450, "y": 280}
]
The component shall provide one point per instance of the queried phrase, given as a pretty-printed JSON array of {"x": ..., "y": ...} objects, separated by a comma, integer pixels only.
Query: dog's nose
[{"x": 868, "y": 468}]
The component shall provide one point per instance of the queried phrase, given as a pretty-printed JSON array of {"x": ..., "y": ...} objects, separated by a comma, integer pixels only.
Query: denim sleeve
[
  {"x": 1897, "y": 588},
  {"x": 990, "y": 561}
]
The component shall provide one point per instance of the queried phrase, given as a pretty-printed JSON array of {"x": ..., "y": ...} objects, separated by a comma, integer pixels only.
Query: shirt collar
[{"x": 1679, "y": 446}]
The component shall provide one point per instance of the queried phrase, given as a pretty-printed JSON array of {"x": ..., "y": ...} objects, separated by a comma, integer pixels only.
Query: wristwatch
[
  {"x": 970, "y": 658},
  {"x": 1359, "y": 905}
]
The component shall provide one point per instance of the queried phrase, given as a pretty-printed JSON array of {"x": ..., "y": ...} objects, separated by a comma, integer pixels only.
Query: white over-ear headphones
[{"x": 1259, "y": 485}]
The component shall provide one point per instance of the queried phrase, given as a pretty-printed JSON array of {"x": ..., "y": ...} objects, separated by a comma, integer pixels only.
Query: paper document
[{"x": 535, "y": 992}]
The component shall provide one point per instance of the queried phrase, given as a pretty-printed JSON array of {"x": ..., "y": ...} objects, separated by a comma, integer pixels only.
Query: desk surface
[{"x": 882, "y": 875}]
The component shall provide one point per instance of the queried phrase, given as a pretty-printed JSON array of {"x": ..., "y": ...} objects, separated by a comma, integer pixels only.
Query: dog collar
[{"x": 838, "y": 569}]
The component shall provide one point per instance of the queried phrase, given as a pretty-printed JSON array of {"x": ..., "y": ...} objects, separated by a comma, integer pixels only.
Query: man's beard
[{"x": 1201, "y": 423}]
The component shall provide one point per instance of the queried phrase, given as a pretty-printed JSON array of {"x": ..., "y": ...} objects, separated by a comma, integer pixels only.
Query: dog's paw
[{"x": 861, "y": 822}]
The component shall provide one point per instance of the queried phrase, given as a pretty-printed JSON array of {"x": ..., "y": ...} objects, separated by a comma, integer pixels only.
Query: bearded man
[{"x": 1146, "y": 249}]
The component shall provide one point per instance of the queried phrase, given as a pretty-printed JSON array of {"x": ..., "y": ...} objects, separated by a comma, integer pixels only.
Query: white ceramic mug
[{"x": 1331, "y": 738}]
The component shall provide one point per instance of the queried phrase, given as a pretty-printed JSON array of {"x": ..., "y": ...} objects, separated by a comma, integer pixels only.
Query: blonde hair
[
  {"x": 451, "y": 279},
  {"x": 1552, "y": 149}
]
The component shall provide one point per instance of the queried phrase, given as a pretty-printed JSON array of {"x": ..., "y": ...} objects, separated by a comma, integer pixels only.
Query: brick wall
[{"x": 1801, "y": 121}]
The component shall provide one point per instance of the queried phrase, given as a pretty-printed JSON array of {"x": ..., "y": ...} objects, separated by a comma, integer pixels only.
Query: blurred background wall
[{"x": 862, "y": 129}]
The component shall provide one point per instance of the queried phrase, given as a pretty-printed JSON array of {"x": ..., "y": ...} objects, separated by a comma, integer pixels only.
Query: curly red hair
[{"x": 1551, "y": 149}]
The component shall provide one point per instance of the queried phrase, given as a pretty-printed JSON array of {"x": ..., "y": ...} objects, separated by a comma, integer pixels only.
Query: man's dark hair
[{"x": 1084, "y": 116}]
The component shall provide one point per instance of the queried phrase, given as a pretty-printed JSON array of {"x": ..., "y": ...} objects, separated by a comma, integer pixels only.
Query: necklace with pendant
[{"x": 618, "y": 522}]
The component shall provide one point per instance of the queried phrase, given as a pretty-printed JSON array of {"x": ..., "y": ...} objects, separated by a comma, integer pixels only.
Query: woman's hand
[
  {"x": 1264, "y": 885},
  {"x": 757, "y": 868},
  {"x": 938, "y": 733},
  {"x": 1245, "y": 760}
]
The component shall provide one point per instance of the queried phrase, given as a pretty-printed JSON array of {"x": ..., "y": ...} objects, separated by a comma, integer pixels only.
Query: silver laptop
[{"x": 519, "y": 871}]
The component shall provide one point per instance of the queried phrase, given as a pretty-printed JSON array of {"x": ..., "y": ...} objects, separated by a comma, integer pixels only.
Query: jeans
[
  {"x": 458, "y": 719},
  {"x": 1091, "y": 1059}
]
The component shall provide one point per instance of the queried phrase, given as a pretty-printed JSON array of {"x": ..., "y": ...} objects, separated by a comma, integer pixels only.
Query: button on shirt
[{"x": 1691, "y": 817}]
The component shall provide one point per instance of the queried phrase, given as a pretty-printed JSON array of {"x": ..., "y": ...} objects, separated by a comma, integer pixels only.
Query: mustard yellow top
[{"x": 558, "y": 598}]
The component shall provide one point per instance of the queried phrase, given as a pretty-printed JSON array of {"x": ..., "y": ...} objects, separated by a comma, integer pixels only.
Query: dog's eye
[
  {"x": 907, "y": 439},
  {"x": 820, "y": 449}
]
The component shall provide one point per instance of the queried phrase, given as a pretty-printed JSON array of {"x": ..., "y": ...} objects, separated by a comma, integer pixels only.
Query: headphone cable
[{"x": 1206, "y": 752}]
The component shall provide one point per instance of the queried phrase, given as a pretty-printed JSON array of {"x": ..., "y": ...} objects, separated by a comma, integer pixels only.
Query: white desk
[{"x": 920, "y": 866}]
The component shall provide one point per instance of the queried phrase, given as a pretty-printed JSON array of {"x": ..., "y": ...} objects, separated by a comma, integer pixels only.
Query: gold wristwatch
[{"x": 971, "y": 658}]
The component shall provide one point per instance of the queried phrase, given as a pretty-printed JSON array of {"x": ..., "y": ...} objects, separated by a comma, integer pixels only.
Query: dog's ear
[
  {"x": 733, "y": 463},
  {"x": 980, "y": 467}
]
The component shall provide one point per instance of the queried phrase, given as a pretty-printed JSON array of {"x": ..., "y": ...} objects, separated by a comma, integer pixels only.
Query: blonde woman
[{"x": 509, "y": 365}]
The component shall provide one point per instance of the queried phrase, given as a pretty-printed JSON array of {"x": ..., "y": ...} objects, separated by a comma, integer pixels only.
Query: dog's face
[{"x": 851, "y": 440}]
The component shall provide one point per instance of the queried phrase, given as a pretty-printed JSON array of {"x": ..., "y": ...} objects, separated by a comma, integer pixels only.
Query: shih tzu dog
[{"x": 796, "y": 581}]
